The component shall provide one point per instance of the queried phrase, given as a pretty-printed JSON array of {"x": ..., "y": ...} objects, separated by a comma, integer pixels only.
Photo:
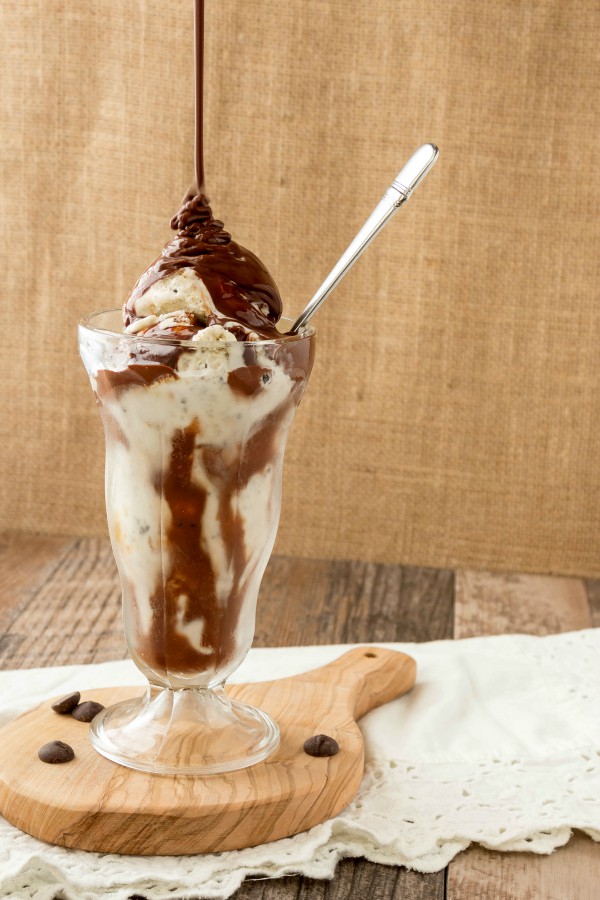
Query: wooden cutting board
[{"x": 94, "y": 804}]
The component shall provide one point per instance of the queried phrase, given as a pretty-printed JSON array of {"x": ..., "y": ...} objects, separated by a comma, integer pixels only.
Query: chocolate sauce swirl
[{"x": 241, "y": 288}]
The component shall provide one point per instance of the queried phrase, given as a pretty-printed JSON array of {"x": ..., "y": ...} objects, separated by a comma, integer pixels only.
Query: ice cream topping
[{"x": 203, "y": 278}]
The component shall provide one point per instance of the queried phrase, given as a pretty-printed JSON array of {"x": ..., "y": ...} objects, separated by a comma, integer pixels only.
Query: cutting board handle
[{"x": 372, "y": 675}]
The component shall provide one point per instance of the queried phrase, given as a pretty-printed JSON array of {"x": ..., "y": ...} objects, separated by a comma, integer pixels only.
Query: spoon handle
[{"x": 396, "y": 195}]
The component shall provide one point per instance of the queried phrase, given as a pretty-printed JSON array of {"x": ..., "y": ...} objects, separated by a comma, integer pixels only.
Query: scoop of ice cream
[
  {"x": 183, "y": 290},
  {"x": 203, "y": 278}
]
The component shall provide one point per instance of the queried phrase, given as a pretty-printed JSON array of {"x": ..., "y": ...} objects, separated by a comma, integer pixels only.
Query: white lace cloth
[{"x": 498, "y": 743}]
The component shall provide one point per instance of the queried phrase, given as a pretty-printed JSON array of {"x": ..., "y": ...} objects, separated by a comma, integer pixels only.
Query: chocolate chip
[
  {"x": 67, "y": 704},
  {"x": 321, "y": 745},
  {"x": 56, "y": 752},
  {"x": 87, "y": 710}
]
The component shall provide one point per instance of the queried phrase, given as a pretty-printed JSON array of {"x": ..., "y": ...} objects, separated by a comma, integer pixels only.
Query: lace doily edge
[{"x": 43, "y": 881}]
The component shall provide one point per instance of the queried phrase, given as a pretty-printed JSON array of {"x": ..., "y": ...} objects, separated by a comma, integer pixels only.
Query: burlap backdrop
[{"x": 452, "y": 417}]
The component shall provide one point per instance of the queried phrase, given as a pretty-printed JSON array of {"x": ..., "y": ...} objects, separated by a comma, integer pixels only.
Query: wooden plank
[
  {"x": 570, "y": 873},
  {"x": 25, "y": 563},
  {"x": 592, "y": 586},
  {"x": 71, "y": 613},
  {"x": 356, "y": 879},
  {"x": 310, "y": 601},
  {"x": 501, "y": 604},
  {"x": 489, "y": 603}
]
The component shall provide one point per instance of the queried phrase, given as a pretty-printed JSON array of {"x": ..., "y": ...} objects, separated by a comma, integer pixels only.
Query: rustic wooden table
[{"x": 59, "y": 604}]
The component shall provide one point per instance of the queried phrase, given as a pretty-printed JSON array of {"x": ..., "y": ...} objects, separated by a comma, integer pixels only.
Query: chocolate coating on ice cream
[{"x": 240, "y": 287}]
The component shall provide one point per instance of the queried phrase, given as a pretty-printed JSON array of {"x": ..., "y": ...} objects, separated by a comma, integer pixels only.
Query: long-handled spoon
[{"x": 396, "y": 195}]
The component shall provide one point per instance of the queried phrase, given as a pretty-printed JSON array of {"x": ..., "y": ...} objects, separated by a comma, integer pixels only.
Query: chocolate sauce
[
  {"x": 109, "y": 382},
  {"x": 241, "y": 288},
  {"x": 248, "y": 380},
  {"x": 188, "y": 591},
  {"x": 198, "y": 93}
]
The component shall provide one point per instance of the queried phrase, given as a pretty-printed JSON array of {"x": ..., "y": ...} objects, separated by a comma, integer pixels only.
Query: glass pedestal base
[{"x": 184, "y": 732}]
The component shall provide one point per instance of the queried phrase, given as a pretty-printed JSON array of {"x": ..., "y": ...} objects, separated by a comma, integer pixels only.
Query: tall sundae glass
[{"x": 196, "y": 428}]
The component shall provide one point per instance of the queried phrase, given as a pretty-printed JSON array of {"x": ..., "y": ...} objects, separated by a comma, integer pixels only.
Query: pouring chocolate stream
[
  {"x": 203, "y": 277},
  {"x": 204, "y": 283}
]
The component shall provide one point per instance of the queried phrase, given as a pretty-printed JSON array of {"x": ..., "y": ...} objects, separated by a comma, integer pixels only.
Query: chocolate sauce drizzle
[
  {"x": 193, "y": 576},
  {"x": 241, "y": 288},
  {"x": 198, "y": 94},
  {"x": 239, "y": 284}
]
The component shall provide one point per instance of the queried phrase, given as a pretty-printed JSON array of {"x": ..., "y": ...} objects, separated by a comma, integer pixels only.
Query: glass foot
[{"x": 184, "y": 732}]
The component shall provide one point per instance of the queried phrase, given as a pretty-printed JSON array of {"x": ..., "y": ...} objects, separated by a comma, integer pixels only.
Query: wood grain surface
[
  {"x": 488, "y": 603},
  {"x": 96, "y": 805},
  {"x": 59, "y": 603}
]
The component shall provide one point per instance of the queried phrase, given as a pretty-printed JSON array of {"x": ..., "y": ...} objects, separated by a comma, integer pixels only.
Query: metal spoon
[{"x": 396, "y": 195}]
